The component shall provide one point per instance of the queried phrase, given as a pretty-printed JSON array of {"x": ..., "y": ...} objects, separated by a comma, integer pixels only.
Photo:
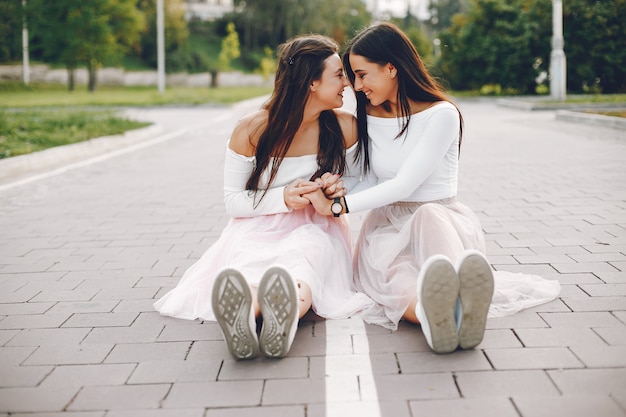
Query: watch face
[{"x": 336, "y": 208}]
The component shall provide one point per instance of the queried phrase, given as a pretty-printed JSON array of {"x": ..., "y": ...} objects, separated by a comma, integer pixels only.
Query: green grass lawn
[
  {"x": 23, "y": 132},
  {"x": 13, "y": 95},
  {"x": 37, "y": 117}
]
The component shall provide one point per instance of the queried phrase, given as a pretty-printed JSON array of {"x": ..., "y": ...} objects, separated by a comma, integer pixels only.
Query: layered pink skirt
[
  {"x": 314, "y": 249},
  {"x": 396, "y": 240}
]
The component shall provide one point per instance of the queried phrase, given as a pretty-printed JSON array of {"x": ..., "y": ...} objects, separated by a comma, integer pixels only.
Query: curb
[{"x": 591, "y": 119}]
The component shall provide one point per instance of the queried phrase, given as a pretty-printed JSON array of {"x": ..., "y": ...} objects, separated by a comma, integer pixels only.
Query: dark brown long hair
[
  {"x": 301, "y": 61},
  {"x": 385, "y": 43}
]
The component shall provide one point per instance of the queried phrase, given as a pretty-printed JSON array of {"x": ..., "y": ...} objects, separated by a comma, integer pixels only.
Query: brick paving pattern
[{"x": 85, "y": 252}]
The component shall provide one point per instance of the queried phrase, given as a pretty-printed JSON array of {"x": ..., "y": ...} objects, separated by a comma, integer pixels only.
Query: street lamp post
[
  {"x": 558, "y": 73},
  {"x": 25, "y": 53},
  {"x": 160, "y": 47}
]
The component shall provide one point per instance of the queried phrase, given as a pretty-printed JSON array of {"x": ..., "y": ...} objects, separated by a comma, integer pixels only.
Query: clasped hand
[{"x": 300, "y": 193}]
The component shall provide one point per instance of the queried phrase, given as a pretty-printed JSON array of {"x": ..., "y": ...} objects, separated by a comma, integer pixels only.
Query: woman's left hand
[{"x": 320, "y": 202}]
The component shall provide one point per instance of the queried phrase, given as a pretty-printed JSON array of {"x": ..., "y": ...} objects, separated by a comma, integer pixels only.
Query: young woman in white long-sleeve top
[
  {"x": 277, "y": 257},
  {"x": 420, "y": 252}
]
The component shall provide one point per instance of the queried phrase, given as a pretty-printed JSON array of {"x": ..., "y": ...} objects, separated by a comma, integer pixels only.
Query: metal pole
[
  {"x": 160, "y": 47},
  {"x": 25, "y": 57},
  {"x": 558, "y": 72}
]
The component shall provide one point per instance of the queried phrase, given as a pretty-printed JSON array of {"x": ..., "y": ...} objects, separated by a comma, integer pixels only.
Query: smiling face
[
  {"x": 328, "y": 90},
  {"x": 378, "y": 82}
]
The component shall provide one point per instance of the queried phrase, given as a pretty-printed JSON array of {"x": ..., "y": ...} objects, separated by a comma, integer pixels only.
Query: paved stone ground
[{"x": 85, "y": 252}]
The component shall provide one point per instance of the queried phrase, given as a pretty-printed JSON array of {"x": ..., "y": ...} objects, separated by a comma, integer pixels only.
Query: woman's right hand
[
  {"x": 332, "y": 185},
  {"x": 293, "y": 192}
]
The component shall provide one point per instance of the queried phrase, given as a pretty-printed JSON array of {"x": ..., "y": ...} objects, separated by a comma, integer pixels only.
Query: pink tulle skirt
[
  {"x": 314, "y": 249},
  {"x": 396, "y": 240}
]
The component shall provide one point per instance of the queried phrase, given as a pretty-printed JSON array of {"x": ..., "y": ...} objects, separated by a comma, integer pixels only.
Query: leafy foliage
[{"x": 507, "y": 43}]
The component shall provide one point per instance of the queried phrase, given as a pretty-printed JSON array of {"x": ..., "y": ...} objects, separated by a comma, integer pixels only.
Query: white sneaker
[
  {"x": 231, "y": 301},
  {"x": 437, "y": 292},
  {"x": 475, "y": 293},
  {"x": 278, "y": 300}
]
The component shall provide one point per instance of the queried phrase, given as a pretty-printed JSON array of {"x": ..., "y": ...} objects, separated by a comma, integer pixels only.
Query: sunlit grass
[
  {"x": 44, "y": 95},
  {"x": 23, "y": 132}
]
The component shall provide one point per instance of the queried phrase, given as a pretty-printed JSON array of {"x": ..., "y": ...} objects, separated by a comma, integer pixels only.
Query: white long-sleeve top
[
  {"x": 240, "y": 202},
  {"x": 421, "y": 165}
]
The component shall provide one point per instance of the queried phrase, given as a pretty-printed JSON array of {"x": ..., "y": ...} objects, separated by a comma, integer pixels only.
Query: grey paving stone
[
  {"x": 83, "y": 307},
  {"x": 115, "y": 335},
  {"x": 69, "y": 354},
  {"x": 164, "y": 371},
  {"x": 581, "y": 319},
  {"x": 416, "y": 387},
  {"x": 310, "y": 390},
  {"x": 469, "y": 407},
  {"x": 139, "y": 352},
  {"x": 214, "y": 394},
  {"x": 89, "y": 375},
  {"x": 192, "y": 331},
  {"x": 282, "y": 411},
  {"x": 602, "y": 357},
  {"x": 22, "y": 376},
  {"x": 612, "y": 335},
  {"x": 40, "y": 337},
  {"x": 399, "y": 341},
  {"x": 15, "y": 355},
  {"x": 263, "y": 368},
  {"x": 570, "y": 406},
  {"x": 606, "y": 290},
  {"x": 590, "y": 381},
  {"x": 358, "y": 364},
  {"x": 100, "y": 320},
  {"x": 122, "y": 397},
  {"x": 430, "y": 362},
  {"x": 63, "y": 414},
  {"x": 16, "y": 400},
  {"x": 523, "y": 319},
  {"x": 14, "y": 309},
  {"x": 199, "y": 412},
  {"x": 499, "y": 338},
  {"x": 34, "y": 321},
  {"x": 533, "y": 358},
  {"x": 505, "y": 384},
  {"x": 7, "y": 335},
  {"x": 596, "y": 303},
  {"x": 359, "y": 409},
  {"x": 560, "y": 336}
]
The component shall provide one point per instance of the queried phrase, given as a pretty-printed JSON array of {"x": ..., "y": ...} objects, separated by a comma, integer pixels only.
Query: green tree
[
  {"x": 229, "y": 51},
  {"x": 92, "y": 33},
  {"x": 176, "y": 35},
  {"x": 11, "y": 13},
  {"x": 502, "y": 42},
  {"x": 442, "y": 11},
  {"x": 594, "y": 33}
]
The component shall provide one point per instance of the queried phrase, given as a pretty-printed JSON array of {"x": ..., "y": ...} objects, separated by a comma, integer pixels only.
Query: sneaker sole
[
  {"x": 232, "y": 301},
  {"x": 439, "y": 292},
  {"x": 475, "y": 293},
  {"x": 278, "y": 300}
]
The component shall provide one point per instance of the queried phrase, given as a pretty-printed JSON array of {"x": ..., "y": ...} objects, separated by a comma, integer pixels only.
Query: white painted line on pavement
[{"x": 350, "y": 384}]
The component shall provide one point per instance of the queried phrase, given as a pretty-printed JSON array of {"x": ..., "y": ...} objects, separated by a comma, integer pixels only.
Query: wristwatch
[{"x": 336, "y": 208}]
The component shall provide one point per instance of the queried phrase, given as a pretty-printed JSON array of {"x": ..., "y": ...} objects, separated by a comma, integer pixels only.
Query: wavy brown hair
[
  {"x": 301, "y": 61},
  {"x": 385, "y": 43}
]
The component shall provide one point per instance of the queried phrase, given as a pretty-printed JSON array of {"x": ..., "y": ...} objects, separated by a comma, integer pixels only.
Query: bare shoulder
[
  {"x": 246, "y": 133},
  {"x": 347, "y": 122}
]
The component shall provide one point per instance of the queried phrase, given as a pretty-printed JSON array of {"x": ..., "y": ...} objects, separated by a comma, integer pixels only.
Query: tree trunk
[
  {"x": 214, "y": 75},
  {"x": 92, "y": 67},
  {"x": 70, "y": 77}
]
